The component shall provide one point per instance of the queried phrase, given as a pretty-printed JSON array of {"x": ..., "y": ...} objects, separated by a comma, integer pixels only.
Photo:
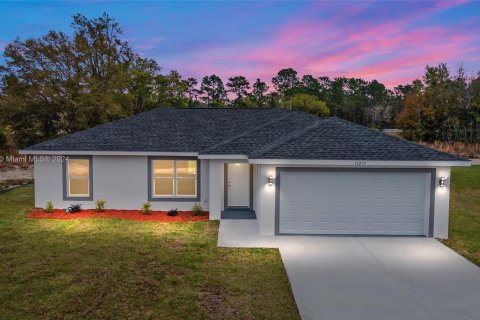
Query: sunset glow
[{"x": 388, "y": 41}]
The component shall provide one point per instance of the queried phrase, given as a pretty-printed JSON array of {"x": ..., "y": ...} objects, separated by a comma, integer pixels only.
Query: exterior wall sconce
[
  {"x": 441, "y": 182},
  {"x": 270, "y": 180}
]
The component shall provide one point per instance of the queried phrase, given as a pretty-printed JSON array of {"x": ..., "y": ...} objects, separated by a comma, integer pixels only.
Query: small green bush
[
  {"x": 197, "y": 209},
  {"x": 147, "y": 208},
  {"x": 49, "y": 208},
  {"x": 100, "y": 205}
]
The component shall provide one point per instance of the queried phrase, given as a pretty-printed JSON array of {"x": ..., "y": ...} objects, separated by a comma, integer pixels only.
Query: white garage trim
[{"x": 429, "y": 191}]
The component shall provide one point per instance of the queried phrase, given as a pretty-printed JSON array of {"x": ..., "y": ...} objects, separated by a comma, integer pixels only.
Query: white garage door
[{"x": 377, "y": 203}]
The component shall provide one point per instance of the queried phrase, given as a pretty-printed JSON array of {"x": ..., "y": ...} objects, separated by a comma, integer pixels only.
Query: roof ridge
[
  {"x": 278, "y": 142},
  {"x": 400, "y": 139},
  {"x": 243, "y": 134}
]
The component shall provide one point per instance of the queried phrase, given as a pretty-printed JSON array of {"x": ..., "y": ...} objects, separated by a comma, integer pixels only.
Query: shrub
[
  {"x": 100, "y": 205},
  {"x": 49, "y": 208},
  {"x": 172, "y": 213},
  {"x": 147, "y": 208},
  {"x": 76, "y": 207},
  {"x": 197, "y": 209}
]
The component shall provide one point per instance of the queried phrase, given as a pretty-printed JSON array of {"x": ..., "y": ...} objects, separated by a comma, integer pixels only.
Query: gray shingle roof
[
  {"x": 337, "y": 139},
  {"x": 257, "y": 133}
]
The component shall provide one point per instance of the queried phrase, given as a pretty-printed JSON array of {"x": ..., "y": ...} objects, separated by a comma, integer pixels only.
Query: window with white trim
[
  {"x": 78, "y": 177},
  {"x": 174, "y": 178}
]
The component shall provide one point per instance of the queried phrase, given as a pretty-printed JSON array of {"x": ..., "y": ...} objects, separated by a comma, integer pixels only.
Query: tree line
[{"x": 60, "y": 83}]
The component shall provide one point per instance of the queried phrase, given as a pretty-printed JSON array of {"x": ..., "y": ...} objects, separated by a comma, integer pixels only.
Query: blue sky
[{"x": 385, "y": 40}]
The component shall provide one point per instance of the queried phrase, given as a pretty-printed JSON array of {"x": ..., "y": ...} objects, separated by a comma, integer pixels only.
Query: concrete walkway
[
  {"x": 343, "y": 278},
  {"x": 243, "y": 234}
]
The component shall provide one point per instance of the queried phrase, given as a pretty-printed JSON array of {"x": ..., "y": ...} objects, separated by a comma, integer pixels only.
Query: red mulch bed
[{"x": 119, "y": 214}]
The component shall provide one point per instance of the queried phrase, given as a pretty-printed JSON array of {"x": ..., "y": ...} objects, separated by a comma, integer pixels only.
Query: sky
[{"x": 385, "y": 40}]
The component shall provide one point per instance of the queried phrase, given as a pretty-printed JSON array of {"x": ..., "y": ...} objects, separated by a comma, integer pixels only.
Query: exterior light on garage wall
[
  {"x": 270, "y": 180},
  {"x": 441, "y": 182}
]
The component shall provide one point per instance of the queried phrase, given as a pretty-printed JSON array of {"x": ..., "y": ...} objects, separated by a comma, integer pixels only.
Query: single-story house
[{"x": 299, "y": 173}]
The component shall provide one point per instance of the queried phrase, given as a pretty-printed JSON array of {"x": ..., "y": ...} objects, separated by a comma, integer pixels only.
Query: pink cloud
[{"x": 393, "y": 52}]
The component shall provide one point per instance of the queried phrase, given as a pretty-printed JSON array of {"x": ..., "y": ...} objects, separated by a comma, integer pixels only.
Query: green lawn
[
  {"x": 464, "y": 235},
  {"x": 109, "y": 268}
]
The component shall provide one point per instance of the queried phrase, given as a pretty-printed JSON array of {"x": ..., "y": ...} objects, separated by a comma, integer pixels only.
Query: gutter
[{"x": 362, "y": 163}]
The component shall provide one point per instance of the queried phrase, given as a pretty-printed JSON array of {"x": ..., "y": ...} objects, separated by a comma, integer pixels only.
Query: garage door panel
[
  {"x": 325, "y": 226},
  {"x": 309, "y": 225},
  {"x": 379, "y": 210},
  {"x": 363, "y": 210},
  {"x": 393, "y": 203},
  {"x": 419, "y": 203}
]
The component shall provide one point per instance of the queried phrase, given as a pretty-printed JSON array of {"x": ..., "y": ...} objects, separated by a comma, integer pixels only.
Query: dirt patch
[
  {"x": 136, "y": 215},
  {"x": 212, "y": 299},
  {"x": 14, "y": 176},
  {"x": 16, "y": 173}
]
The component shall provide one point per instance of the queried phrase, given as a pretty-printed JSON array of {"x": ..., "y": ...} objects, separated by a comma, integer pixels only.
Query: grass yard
[
  {"x": 110, "y": 268},
  {"x": 464, "y": 234}
]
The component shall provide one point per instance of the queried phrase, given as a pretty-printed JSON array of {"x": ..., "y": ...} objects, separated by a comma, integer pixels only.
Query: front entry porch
[
  {"x": 238, "y": 213},
  {"x": 232, "y": 190}
]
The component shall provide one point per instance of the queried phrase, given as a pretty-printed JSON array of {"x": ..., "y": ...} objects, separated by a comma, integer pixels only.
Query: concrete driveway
[
  {"x": 380, "y": 278},
  {"x": 371, "y": 278}
]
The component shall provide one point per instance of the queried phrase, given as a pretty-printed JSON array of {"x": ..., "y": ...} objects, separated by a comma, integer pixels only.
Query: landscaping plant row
[
  {"x": 100, "y": 204},
  {"x": 75, "y": 211}
]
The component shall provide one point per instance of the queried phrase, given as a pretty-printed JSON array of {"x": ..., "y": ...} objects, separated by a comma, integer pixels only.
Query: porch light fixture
[
  {"x": 270, "y": 180},
  {"x": 441, "y": 182}
]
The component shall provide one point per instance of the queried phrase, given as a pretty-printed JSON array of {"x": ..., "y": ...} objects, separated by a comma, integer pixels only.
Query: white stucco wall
[
  {"x": 265, "y": 199},
  {"x": 48, "y": 184},
  {"x": 120, "y": 180},
  {"x": 215, "y": 188},
  {"x": 123, "y": 182},
  {"x": 442, "y": 202},
  {"x": 254, "y": 183}
]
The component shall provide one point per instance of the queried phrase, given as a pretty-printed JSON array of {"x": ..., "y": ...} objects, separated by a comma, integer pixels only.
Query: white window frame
[{"x": 67, "y": 178}]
